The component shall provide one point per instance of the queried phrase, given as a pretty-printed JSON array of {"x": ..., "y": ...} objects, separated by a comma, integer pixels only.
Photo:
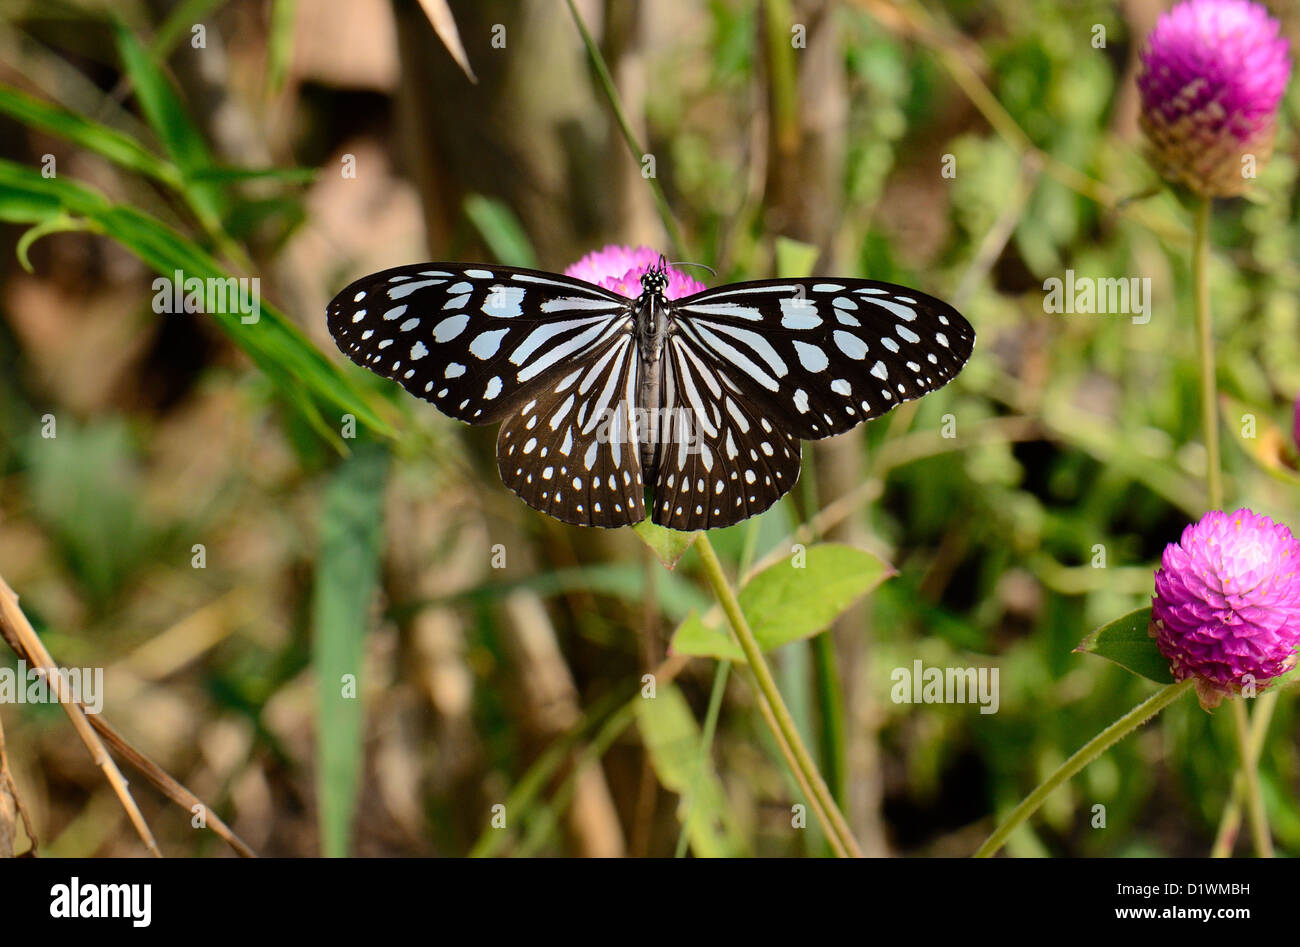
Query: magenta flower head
[
  {"x": 1227, "y": 606},
  {"x": 619, "y": 269},
  {"x": 1212, "y": 75}
]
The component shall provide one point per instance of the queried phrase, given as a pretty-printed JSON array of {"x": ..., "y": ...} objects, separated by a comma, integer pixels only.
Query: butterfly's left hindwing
[
  {"x": 721, "y": 460},
  {"x": 477, "y": 341}
]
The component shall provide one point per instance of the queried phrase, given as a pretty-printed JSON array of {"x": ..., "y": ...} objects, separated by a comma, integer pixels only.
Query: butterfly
[{"x": 703, "y": 399}]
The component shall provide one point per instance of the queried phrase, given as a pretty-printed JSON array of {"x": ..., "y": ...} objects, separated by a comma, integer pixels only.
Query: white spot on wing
[
  {"x": 449, "y": 328},
  {"x": 405, "y": 289},
  {"x": 811, "y": 357},
  {"x": 799, "y": 314},
  {"x": 486, "y": 344},
  {"x": 504, "y": 302},
  {"x": 906, "y": 313},
  {"x": 734, "y": 310},
  {"x": 850, "y": 344}
]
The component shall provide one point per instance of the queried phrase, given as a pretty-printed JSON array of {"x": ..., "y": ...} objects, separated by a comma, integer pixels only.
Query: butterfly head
[{"x": 655, "y": 279}]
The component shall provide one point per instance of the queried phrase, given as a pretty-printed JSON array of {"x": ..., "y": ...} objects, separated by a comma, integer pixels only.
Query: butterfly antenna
[{"x": 701, "y": 265}]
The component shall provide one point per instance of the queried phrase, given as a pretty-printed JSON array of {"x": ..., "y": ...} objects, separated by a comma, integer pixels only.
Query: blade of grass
[
  {"x": 501, "y": 230},
  {"x": 279, "y": 44},
  {"x": 118, "y": 147},
  {"x": 180, "y": 137},
  {"x": 347, "y": 573}
]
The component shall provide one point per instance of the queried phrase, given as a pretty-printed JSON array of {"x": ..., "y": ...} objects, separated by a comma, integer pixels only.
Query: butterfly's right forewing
[{"x": 477, "y": 341}]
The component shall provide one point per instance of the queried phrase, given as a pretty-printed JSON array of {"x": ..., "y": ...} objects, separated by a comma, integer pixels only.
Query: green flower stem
[
  {"x": 1085, "y": 755},
  {"x": 769, "y": 718},
  {"x": 1226, "y": 837},
  {"x": 1250, "y": 773},
  {"x": 1205, "y": 346},
  {"x": 1214, "y": 483},
  {"x": 802, "y": 763}
]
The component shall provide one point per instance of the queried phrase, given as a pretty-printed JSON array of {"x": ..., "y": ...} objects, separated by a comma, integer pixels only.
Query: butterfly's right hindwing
[{"x": 571, "y": 450}]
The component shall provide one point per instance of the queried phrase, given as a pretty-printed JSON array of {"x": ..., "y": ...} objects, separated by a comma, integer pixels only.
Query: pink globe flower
[
  {"x": 619, "y": 269},
  {"x": 1227, "y": 606},
  {"x": 1212, "y": 75}
]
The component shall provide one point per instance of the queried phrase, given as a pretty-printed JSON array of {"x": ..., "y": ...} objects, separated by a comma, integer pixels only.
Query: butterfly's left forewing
[
  {"x": 822, "y": 355},
  {"x": 759, "y": 366}
]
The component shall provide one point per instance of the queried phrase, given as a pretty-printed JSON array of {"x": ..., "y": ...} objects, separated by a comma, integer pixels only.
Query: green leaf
[
  {"x": 60, "y": 223},
  {"x": 180, "y": 136},
  {"x": 794, "y": 259},
  {"x": 794, "y": 599},
  {"x": 1127, "y": 642},
  {"x": 116, "y": 146},
  {"x": 672, "y": 739},
  {"x": 707, "y": 637},
  {"x": 668, "y": 544},
  {"x": 347, "y": 573},
  {"x": 500, "y": 230}
]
